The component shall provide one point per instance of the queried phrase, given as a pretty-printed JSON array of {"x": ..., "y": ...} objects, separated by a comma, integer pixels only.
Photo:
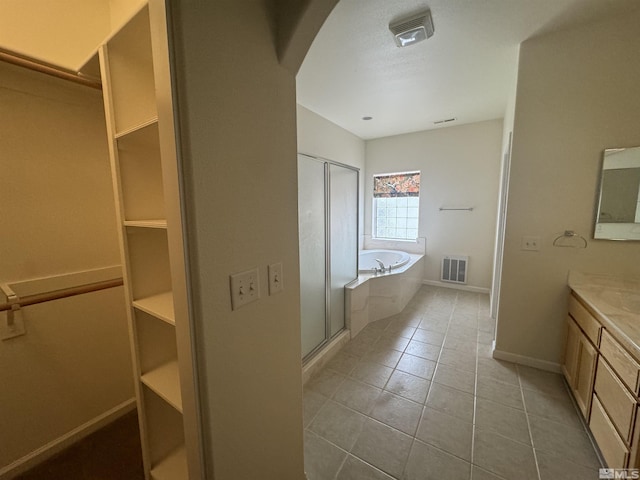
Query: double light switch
[{"x": 245, "y": 286}]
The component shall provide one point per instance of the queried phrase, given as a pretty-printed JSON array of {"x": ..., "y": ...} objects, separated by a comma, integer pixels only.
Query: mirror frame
[{"x": 635, "y": 231}]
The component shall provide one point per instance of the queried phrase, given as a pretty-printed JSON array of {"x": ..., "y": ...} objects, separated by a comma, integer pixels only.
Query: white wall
[
  {"x": 460, "y": 168},
  {"x": 237, "y": 113},
  {"x": 505, "y": 163},
  {"x": 58, "y": 215},
  {"x": 319, "y": 137},
  {"x": 577, "y": 94}
]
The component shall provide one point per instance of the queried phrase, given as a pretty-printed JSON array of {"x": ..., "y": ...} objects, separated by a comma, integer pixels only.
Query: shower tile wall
[{"x": 418, "y": 396}]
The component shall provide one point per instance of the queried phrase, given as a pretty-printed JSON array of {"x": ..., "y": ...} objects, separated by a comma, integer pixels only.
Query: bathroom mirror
[{"x": 618, "y": 213}]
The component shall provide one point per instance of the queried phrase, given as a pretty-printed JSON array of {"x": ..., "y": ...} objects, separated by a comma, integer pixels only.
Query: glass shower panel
[
  {"x": 343, "y": 213},
  {"x": 311, "y": 224}
]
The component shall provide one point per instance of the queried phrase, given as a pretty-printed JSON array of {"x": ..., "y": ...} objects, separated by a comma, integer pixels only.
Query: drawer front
[
  {"x": 589, "y": 325},
  {"x": 616, "y": 400},
  {"x": 611, "y": 445},
  {"x": 624, "y": 364}
]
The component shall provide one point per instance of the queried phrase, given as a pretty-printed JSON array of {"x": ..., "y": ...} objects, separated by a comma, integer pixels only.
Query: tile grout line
[
  {"x": 583, "y": 423},
  {"x": 421, "y": 316},
  {"x": 368, "y": 414},
  {"x": 526, "y": 414},
  {"x": 414, "y": 439},
  {"x": 475, "y": 399},
  {"x": 423, "y": 404},
  {"x": 335, "y": 477}
]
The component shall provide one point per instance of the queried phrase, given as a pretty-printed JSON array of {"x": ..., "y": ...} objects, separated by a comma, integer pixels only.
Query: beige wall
[
  {"x": 507, "y": 128},
  {"x": 121, "y": 10},
  {"x": 577, "y": 95},
  {"x": 237, "y": 112},
  {"x": 56, "y": 195},
  {"x": 62, "y": 36},
  {"x": 58, "y": 217},
  {"x": 298, "y": 22},
  {"x": 460, "y": 168},
  {"x": 319, "y": 137}
]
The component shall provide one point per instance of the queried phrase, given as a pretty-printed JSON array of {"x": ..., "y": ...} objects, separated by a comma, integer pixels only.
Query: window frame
[{"x": 386, "y": 197}]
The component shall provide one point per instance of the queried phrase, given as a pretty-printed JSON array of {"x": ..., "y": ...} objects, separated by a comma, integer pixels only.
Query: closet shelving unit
[{"x": 133, "y": 65}]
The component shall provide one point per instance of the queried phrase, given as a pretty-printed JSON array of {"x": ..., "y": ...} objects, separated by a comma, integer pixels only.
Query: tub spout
[{"x": 382, "y": 267}]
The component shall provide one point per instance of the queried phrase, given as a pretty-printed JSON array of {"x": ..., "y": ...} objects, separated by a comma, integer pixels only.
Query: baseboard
[
  {"x": 50, "y": 449},
  {"x": 323, "y": 356},
  {"x": 467, "y": 288},
  {"x": 528, "y": 361}
]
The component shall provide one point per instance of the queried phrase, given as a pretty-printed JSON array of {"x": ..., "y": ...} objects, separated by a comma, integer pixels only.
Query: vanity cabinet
[
  {"x": 604, "y": 378},
  {"x": 580, "y": 365},
  {"x": 622, "y": 362},
  {"x": 613, "y": 449}
]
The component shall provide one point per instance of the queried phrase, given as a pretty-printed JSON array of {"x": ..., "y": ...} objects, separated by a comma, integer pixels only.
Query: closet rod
[
  {"x": 48, "y": 69},
  {"x": 64, "y": 293}
]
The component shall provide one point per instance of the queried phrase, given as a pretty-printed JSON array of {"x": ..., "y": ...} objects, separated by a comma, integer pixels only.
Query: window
[{"x": 396, "y": 197}]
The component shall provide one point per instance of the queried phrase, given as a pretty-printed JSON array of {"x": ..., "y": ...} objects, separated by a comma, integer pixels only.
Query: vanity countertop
[{"x": 615, "y": 302}]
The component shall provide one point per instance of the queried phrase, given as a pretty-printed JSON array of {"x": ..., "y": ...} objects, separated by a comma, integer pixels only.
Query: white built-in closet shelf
[
  {"x": 165, "y": 381},
  {"x": 157, "y": 223},
  {"x": 172, "y": 467},
  {"x": 160, "y": 306},
  {"x": 152, "y": 122}
]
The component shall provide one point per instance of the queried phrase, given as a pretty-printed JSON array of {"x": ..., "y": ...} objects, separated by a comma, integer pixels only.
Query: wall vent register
[{"x": 454, "y": 269}]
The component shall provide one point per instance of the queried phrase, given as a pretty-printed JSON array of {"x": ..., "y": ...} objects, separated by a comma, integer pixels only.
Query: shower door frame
[{"x": 327, "y": 247}]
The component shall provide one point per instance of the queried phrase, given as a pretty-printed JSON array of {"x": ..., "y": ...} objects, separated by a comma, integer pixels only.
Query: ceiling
[{"x": 466, "y": 70}]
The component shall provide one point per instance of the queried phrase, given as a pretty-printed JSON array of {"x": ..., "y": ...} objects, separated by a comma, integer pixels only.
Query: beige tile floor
[{"x": 418, "y": 396}]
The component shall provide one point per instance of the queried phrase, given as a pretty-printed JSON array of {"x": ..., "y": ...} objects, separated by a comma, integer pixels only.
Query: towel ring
[{"x": 570, "y": 234}]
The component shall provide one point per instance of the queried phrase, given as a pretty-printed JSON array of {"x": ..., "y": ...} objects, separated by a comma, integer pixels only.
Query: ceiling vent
[
  {"x": 446, "y": 120},
  {"x": 412, "y": 30}
]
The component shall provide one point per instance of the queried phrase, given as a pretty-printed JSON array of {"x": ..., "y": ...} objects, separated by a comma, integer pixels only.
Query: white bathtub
[
  {"x": 390, "y": 258},
  {"x": 373, "y": 296}
]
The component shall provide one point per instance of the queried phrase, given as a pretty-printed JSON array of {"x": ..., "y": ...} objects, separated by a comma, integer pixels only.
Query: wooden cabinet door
[
  {"x": 579, "y": 366},
  {"x": 585, "y": 374},
  {"x": 571, "y": 348}
]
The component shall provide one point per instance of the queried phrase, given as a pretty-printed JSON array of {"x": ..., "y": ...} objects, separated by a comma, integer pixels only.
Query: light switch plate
[
  {"x": 276, "y": 281},
  {"x": 245, "y": 288}
]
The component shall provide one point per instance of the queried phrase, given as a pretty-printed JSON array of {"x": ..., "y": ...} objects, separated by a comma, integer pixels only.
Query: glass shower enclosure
[{"x": 328, "y": 231}]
